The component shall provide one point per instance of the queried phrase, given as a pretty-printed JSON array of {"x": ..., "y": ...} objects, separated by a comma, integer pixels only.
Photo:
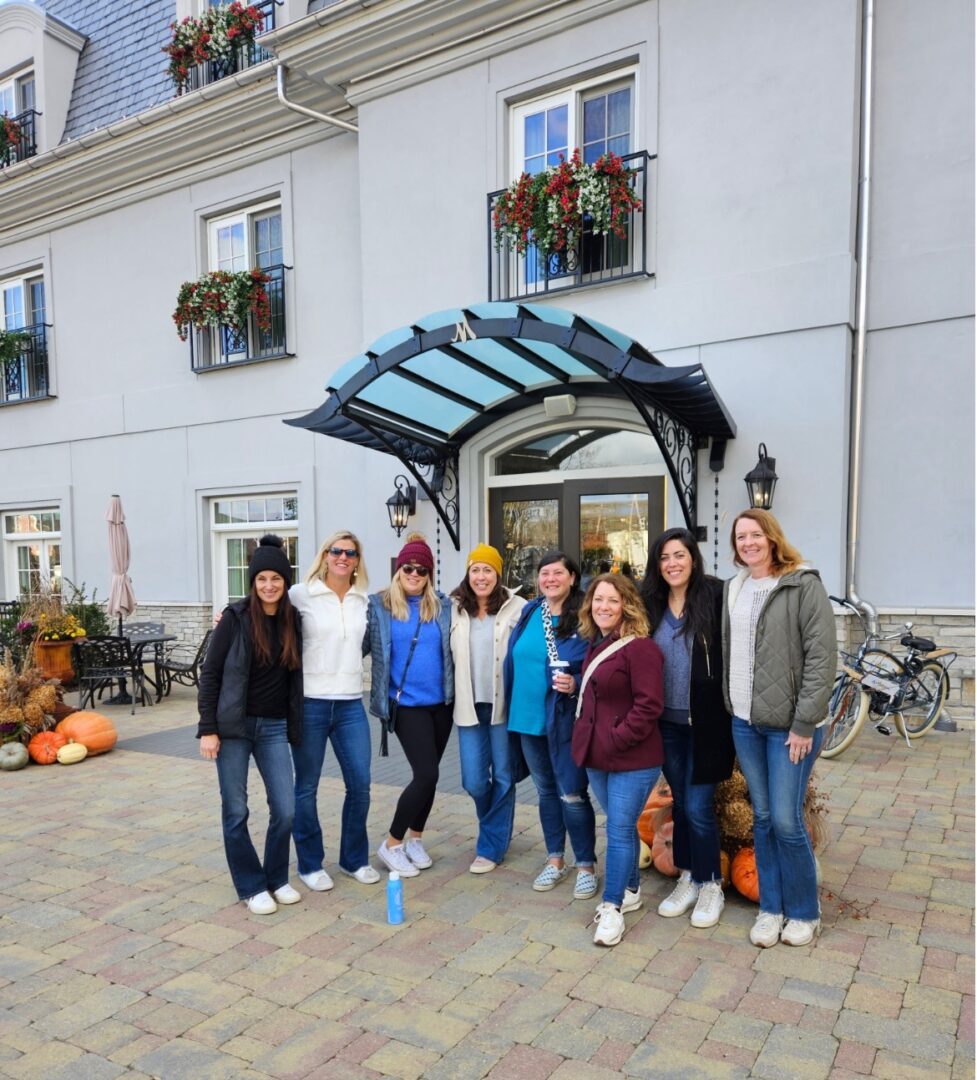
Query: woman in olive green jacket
[{"x": 780, "y": 658}]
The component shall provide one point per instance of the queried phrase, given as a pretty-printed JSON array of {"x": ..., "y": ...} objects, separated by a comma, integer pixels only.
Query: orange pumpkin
[
  {"x": 661, "y": 850},
  {"x": 724, "y": 867},
  {"x": 744, "y": 874},
  {"x": 44, "y": 746},
  {"x": 94, "y": 731},
  {"x": 661, "y": 796}
]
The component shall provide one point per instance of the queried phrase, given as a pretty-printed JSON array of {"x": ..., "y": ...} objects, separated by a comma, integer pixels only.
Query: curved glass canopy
[{"x": 421, "y": 391}]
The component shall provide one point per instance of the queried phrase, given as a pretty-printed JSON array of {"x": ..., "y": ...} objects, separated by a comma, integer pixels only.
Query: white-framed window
[
  {"x": 597, "y": 115},
  {"x": 22, "y": 301},
  {"x": 249, "y": 238},
  {"x": 32, "y": 551},
  {"x": 17, "y": 93},
  {"x": 237, "y": 523}
]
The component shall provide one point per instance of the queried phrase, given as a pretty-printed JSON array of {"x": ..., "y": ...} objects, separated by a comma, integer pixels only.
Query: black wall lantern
[
  {"x": 401, "y": 504},
  {"x": 761, "y": 480}
]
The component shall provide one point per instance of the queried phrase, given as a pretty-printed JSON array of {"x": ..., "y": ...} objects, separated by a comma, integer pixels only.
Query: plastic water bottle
[{"x": 395, "y": 899}]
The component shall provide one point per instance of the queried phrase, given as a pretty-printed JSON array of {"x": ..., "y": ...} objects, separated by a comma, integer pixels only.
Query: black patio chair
[
  {"x": 102, "y": 661},
  {"x": 179, "y": 666}
]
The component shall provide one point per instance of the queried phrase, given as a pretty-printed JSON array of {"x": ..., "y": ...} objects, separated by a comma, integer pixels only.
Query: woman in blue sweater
[{"x": 412, "y": 686}]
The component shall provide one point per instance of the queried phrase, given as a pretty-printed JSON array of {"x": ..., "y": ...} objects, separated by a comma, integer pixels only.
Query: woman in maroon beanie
[
  {"x": 412, "y": 687},
  {"x": 616, "y": 733}
]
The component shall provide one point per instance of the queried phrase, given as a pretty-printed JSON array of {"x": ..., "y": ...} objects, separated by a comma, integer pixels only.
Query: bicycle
[{"x": 910, "y": 689}]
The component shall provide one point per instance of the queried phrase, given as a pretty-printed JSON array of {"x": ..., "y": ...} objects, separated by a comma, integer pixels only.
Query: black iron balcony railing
[
  {"x": 241, "y": 57},
  {"x": 595, "y": 259},
  {"x": 25, "y": 145},
  {"x": 217, "y": 346},
  {"x": 25, "y": 377}
]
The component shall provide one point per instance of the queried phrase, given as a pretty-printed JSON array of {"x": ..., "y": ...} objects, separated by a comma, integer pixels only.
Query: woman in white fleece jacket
[{"x": 332, "y": 602}]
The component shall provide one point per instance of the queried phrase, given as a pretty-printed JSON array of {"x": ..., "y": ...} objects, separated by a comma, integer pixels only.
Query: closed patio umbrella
[{"x": 122, "y": 600}]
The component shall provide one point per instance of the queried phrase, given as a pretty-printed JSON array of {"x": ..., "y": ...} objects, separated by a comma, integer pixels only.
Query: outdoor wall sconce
[
  {"x": 401, "y": 504},
  {"x": 761, "y": 480}
]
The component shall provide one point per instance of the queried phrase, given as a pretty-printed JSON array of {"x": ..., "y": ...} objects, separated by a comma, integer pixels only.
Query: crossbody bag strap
[{"x": 597, "y": 661}]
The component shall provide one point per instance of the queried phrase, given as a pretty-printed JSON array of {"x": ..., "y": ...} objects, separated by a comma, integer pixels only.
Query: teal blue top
[{"x": 530, "y": 678}]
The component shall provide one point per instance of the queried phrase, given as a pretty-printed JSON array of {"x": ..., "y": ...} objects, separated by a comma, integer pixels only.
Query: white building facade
[{"x": 744, "y": 123}]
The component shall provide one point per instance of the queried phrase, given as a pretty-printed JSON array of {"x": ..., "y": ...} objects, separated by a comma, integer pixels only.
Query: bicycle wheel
[
  {"x": 849, "y": 709},
  {"x": 882, "y": 662},
  {"x": 923, "y": 702}
]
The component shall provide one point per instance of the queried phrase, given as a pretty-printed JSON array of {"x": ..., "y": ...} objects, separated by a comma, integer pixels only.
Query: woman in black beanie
[{"x": 250, "y": 704}]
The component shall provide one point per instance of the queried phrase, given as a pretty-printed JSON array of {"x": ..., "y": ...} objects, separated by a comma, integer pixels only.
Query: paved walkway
[{"x": 123, "y": 952}]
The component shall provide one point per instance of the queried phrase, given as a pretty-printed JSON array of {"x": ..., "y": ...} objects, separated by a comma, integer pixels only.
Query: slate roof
[{"x": 121, "y": 69}]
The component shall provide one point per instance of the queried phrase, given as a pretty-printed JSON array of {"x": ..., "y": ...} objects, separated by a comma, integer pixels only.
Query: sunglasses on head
[
  {"x": 350, "y": 553},
  {"x": 411, "y": 568}
]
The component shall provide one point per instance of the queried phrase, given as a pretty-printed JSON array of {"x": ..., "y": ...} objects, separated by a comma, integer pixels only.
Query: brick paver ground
[{"x": 124, "y": 953}]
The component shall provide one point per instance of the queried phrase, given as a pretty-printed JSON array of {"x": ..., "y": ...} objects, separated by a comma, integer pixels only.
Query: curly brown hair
[{"x": 635, "y": 620}]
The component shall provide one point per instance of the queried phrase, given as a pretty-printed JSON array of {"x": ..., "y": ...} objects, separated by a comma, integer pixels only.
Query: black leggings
[{"x": 423, "y": 732}]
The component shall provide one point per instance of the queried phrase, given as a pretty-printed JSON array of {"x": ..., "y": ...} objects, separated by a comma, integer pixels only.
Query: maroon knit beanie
[{"x": 417, "y": 552}]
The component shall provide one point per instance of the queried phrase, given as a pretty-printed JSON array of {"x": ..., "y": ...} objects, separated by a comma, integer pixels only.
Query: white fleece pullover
[{"x": 332, "y": 639}]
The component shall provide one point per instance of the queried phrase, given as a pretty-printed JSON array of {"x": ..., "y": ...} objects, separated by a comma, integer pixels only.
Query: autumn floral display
[
  {"x": 549, "y": 209},
  {"x": 221, "y": 298},
  {"x": 213, "y": 36}
]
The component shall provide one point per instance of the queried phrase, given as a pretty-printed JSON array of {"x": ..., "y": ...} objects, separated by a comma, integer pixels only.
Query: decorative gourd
[
  {"x": 44, "y": 746},
  {"x": 644, "y": 855},
  {"x": 661, "y": 850},
  {"x": 661, "y": 796},
  {"x": 94, "y": 731},
  {"x": 724, "y": 865},
  {"x": 744, "y": 874},
  {"x": 71, "y": 753},
  {"x": 13, "y": 756}
]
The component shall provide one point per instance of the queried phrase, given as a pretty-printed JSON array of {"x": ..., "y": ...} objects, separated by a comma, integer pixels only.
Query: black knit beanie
[{"x": 270, "y": 555}]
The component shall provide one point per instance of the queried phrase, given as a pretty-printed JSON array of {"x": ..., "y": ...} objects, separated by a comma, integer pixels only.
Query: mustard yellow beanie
[{"x": 487, "y": 554}]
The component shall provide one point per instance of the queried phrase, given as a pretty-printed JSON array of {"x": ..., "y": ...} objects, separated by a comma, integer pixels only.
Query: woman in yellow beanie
[{"x": 482, "y": 617}]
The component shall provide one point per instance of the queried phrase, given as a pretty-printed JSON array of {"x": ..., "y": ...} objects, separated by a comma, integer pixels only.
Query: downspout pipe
[
  {"x": 857, "y": 396},
  {"x": 324, "y": 118}
]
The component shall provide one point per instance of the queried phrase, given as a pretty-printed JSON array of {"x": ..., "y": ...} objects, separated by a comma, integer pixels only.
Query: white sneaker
[
  {"x": 766, "y": 929},
  {"x": 287, "y": 895},
  {"x": 395, "y": 858},
  {"x": 800, "y": 931},
  {"x": 632, "y": 900},
  {"x": 681, "y": 898},
  {"x": 709, "y": 906},
  {"x": 317, "y": 881},
  {"x": 414, "y": 850},
  {"x": 610, "y": 925},
  {"x": 262, "y": 904},
  {"x": 366, "y": 875}
]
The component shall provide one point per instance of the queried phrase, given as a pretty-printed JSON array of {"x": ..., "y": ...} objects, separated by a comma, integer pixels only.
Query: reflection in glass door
[{"x": 607, "y": 525}]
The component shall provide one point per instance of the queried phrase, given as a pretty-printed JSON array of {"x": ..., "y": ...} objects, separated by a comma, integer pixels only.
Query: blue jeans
[
  {"x": 345, "y": 723},
  {"x": 695, "y": 836},
  {"x": 559, "y": 815},
  {"x": 266, "y": 739},
  {"x": 623, "y": 796},
  {"x": 486, "y": 774},
  {"x": 784, "y": 856}
]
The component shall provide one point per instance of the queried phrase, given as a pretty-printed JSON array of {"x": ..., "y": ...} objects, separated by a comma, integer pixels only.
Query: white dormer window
[{"x": 17, "y": 94}]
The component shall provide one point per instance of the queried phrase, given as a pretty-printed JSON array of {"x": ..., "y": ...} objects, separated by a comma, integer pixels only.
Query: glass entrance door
[{"x": 607, "y": 525}]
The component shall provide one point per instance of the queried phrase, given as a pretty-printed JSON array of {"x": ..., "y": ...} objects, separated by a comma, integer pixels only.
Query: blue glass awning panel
[
  {"x": 445, "y": 371},
  {"x": 558, "y": 357},
  {"x": 495, "y": 355},
  {"x": 404, "y": 398}
]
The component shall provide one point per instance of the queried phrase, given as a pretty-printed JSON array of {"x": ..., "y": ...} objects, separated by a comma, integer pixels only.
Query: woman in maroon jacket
[{"x": 616, "y": 734}]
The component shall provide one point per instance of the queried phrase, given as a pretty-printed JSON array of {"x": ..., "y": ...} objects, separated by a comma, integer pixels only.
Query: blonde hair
[
  {"x": 319, "y": 569},
  {"x": 784, "y": 557},
  {"x": 395, "y": 600},
  {"x": 635, "y": 620}
]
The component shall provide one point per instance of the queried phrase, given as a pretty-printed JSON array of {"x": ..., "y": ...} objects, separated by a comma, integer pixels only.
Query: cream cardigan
[{"x": 505, "y": 620}]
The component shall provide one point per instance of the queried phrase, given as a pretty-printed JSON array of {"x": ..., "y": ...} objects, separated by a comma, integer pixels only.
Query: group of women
[{"x": 596, "y": 691}]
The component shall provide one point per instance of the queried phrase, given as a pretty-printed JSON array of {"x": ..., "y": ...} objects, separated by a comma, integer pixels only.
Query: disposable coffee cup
[{"x": 558, "y": 667}]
